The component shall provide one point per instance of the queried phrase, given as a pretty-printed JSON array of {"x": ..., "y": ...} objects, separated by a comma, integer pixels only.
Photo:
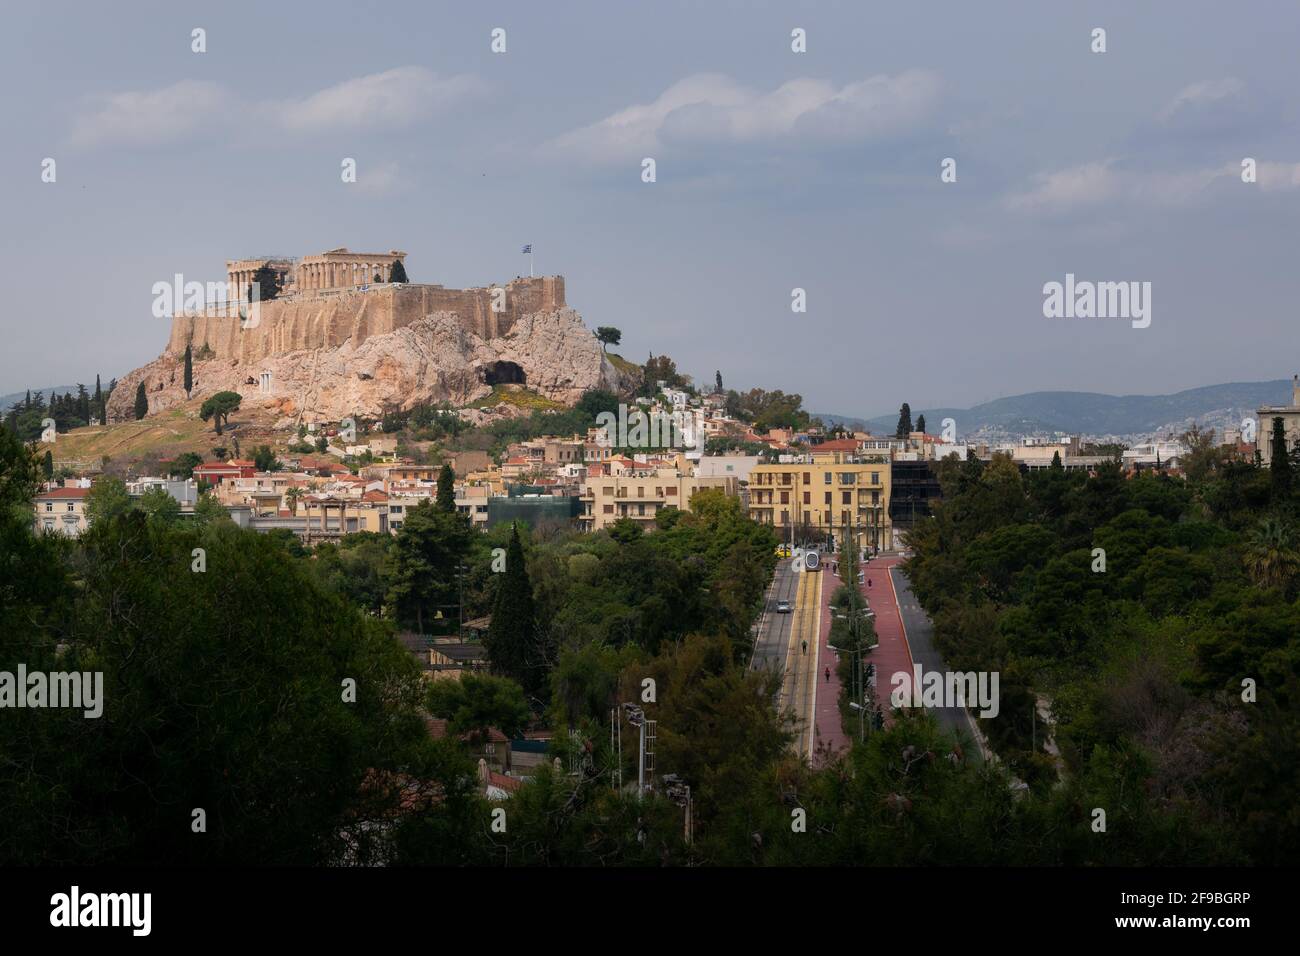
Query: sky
[{"x": 775, "y": 170}]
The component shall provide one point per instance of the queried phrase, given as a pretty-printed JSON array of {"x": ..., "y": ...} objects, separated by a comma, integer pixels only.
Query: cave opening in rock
[{"x": 503, "y": 373}]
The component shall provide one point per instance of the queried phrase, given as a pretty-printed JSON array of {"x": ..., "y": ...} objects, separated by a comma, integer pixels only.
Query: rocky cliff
[{"x": 340, "y": 362}]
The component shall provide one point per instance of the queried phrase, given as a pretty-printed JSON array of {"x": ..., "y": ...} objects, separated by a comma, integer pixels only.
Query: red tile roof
[{"x": 63, "y": 493}]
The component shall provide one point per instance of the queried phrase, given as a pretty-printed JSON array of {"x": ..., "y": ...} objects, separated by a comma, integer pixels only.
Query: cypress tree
[
  {"x": 904, "y": 421},
  {"x": 398, "y": 272},
  {"x": 189, "y": 370},
  {"x": 141, "y": 402},
  {"x": 446, "y": 500},
  {"x": 920, "y": 423},
  {"x": 510, "y": 638},
  {"x": 47, "y": 465},
  {"x": 1280, "y": 465}
]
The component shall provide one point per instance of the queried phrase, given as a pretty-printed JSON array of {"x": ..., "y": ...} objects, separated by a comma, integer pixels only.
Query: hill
[{"x": 1093, "y": 413}]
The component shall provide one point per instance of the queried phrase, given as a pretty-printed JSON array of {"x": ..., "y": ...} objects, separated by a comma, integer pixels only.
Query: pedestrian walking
[{"x": 828, "y": 675}]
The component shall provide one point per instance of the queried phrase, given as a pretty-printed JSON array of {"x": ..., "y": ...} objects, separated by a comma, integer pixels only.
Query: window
[
  {"x": 71, "y": 506},
  {"x": 672, "y": 492},
  {"x": 826, "y": 477},
  {"x": 828, "y": 497},
  {"x": 49, "y": 506},
  {"x": 395, "y": 509},
  {"x": 807, "y": 498},
  {"x": 875, "y": 497},
  {"x": 49, "y": 524},
  {"x": 640, "y": 509},
  {"x": 785, "y": 497},
  {"x": 609, "y": 509},
  {"x": 807, "y": 478},
  {"x": 846, "y": 497},
  {"x": 875, "y": 477}
]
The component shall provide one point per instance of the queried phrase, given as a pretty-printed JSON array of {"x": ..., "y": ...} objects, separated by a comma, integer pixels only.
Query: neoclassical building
[{"x": 1290, "y": 415}]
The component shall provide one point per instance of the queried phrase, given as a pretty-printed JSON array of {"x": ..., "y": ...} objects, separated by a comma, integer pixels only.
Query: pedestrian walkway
[{"x": 894, "y": 655}]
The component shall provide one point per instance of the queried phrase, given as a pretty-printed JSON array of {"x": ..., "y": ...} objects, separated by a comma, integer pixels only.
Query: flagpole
[{"x": 530, "y": 260}]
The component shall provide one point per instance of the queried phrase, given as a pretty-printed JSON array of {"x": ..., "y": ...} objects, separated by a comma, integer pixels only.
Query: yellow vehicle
[{"x": 783, "y": 551}]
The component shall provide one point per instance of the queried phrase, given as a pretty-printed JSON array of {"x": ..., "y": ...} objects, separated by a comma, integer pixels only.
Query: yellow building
[
  {"x": 62, "y": 511},
  {"x": 640, "y": 494},
  {"x": 834, "y": 487}
]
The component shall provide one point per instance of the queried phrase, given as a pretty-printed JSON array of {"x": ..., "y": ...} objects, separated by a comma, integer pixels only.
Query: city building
[
  {"x": 812, "y": 496},
  {"x": 1290, "y": 415}
]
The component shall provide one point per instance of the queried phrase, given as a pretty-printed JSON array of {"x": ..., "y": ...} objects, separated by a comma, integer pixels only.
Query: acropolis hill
[{"x": 335, "y": 342}]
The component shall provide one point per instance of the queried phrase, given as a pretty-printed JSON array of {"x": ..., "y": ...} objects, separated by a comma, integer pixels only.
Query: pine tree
[
  {"x": 904, "y": 421},
  {"x": 189, "y": 370},
  {"x": 141, "y": 402},
  {"x": 446, "y": 500},
  {"x": 920, "y": 423},
  {"x": 510, "y": 637}
]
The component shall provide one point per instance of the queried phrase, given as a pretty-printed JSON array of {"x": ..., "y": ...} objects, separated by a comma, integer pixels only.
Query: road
[
  {"x": 780, "y": 647},
  {"x": 920, "y": 639}
]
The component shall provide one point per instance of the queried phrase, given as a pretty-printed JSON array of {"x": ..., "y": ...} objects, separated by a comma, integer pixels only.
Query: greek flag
[{"x": 528, "y": 248}]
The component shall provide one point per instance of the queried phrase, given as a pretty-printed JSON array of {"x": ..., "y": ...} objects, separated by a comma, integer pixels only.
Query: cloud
[
  {"x": 712, "y": 108},
  {"x": 394, "y": 98},
  {"x": 1278, "y": 176},
  {"x": 381, "y": 179},
  {"x": 1202, "y": 94},
  {"x": 1067, "y": 188},
  {"x": 151, "y": 117},
  {"x": 1101, "y": 182}
]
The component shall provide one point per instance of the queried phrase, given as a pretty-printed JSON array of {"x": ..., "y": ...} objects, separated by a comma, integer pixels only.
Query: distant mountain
[
  {"x": 7, "y": 401},
  {"x": 1091, "y": 413}
]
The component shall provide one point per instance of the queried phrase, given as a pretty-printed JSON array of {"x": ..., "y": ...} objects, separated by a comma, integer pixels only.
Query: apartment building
[
  {"x": 806, "y": 499},
  {"x": 631, "y": 493}
]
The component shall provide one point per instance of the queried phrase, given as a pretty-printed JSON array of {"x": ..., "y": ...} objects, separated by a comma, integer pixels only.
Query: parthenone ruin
[
  {"x": 333, "y": 297},
  {"x": 336, "y": 269}
]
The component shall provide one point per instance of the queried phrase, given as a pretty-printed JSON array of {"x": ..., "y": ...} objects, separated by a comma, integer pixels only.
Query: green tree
[
  {"x": 398, "y": 272},
  {"x": 1271, "y": 555},
  {"x": 423, "y": 568},
  {"x": 1280, "y": 463},
  {"x": 141, "y": 402},
  {"x": 265, "y": 459},
  {"x": 446, "y": 500},
  {"x": 183, "y": 465},
  {"x": 47, "y": 465},
  {"x": 189, "y": 370},
  {"x": 219, "y": 407},
  {"x": 477, "y": 703},
  {"x": 158, "y": 505},
  {"x": 107, "y": 499},
  {"x": 512, "y": 635},
  {"x": 265, "y": 285},
  {"x": 920, "y": 423},
  {"x": 608, "y": 335},
  {"x": 904, "y": 422}
]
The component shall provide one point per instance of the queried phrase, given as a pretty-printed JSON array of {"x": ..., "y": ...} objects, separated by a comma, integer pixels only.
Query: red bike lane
[{"x": 891, "y": 656}]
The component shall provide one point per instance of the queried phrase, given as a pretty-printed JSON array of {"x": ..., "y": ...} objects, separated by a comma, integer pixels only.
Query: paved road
[
  {"x": 774, "y": 636},
  {"x": 920, "y": 639},
  {"x": 779, "y": 646}
]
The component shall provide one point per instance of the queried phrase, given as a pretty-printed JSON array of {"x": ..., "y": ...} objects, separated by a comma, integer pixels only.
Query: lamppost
[
  {"x": 680, "y": 794},
  {"x": 636, "y": 717}
]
